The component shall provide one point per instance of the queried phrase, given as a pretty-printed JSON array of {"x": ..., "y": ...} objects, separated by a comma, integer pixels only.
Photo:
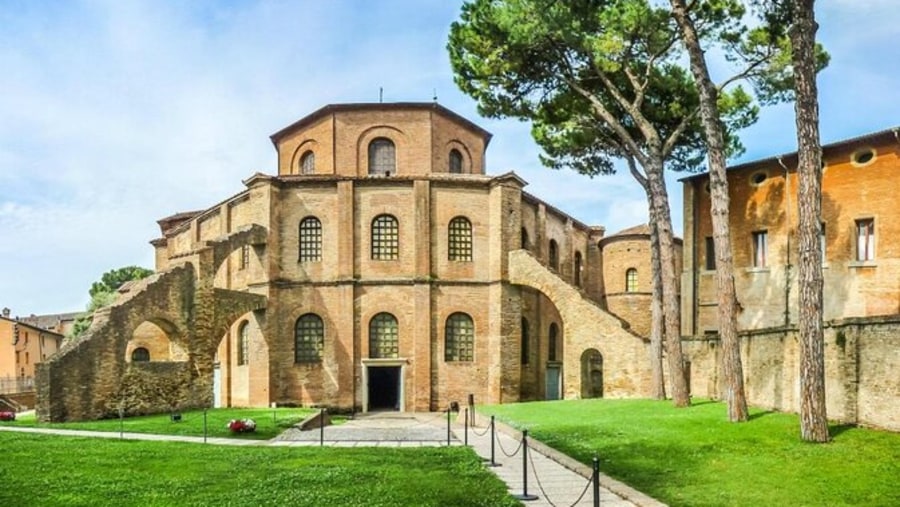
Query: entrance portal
[
  {"x": 552, "y": 381},
  {"x": 384, "y": 388}
]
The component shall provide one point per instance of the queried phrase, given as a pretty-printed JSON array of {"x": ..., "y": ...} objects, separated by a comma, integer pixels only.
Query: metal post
[
  {"x": 525, "y": 497},
  {"x": 204, "y": 425},
  {"x": 471, "y": 403},
  {"x": 595, "y": 477},
  {"x": 493, "y": 443},
  {"x": 321, "y": 427},
  {"x": 121, "y": 422},
  {"x": 448, "y": 427},
  {"x": 466, "y": 429}
]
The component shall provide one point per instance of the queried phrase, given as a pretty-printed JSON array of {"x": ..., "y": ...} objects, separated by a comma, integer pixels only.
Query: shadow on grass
[
  {"x": 759, "y": 415},
  {"x": 836, "y": 429}
]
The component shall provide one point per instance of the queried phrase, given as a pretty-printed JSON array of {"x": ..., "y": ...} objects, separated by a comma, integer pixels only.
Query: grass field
[
  {"x": 269, "y": 422},
  {"x": 694, "y": 457},
  {"x": 40, "y": 470}
]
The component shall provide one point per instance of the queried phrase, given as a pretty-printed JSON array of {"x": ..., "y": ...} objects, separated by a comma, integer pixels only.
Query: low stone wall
[{"x": 862, "y": 361}]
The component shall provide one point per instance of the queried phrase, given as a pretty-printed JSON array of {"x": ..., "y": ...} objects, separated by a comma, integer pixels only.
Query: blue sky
[{"x": 114, "y": 114}]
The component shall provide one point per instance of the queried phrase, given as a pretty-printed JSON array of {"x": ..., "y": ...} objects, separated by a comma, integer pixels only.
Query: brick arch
[
  {"x": 307, "y": 145},
  {"x": 251, "y": 235},
  {"x": 455, "y": 144},
  {"x": 586, "y": 325},
  {"x": 397, "y": 136}
]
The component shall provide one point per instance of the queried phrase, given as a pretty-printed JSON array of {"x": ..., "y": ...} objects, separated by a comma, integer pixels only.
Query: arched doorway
[
  {"x": 153, "y": 341},
  {"x": 591, "y": 374}
]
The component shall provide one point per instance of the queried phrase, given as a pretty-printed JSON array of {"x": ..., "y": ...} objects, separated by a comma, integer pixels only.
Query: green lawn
[
  {"x": 269, "y": 422},
  {"x": 41, "y": 470},
  {"x": 695, "y": 457}
]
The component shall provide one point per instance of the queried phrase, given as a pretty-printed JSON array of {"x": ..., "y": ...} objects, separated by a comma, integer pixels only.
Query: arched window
[
  {"x": 552, "y": 339},
  {"x": 553, "y": 254},
  {"x": 243, "y": 348},
  {"x": 383, "y": 337},
  {"x": 140, "y": 355},
  {"x": 308, "y": 163},
  {"x": 381, "y": 156},
  {"x": 459, "y": 244},
  {"x": 385, "y": 238},
  {"x": 456, "y": 161},
  {"x": 631, "y": 280},
  {"x": 577, "y": 274},
  {"x": 309, "y": 339},
  {"x": 524, "y": 238},
  {"x": 310, "y": 240},
  {"x": 459, "y": 338},
  {"x": 525, "y": 350}
]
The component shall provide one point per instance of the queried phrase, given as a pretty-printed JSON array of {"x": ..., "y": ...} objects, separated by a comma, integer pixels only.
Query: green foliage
[
  {"x": 103, "y": 293},
  {"x": 606, "y": 79},
  {"x": 40, "y": 470},
  {"x": 694, "y": 456},
  {"x": 269, "y": 423},
  {"x": 113, "y": 279}
]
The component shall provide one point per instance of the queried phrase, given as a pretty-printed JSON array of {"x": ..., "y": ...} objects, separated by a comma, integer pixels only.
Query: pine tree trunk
[
  {"x": 731, "y": 365},
  {"x": 657, "y": 323},
  {"x": 813, "y": 417},
  {"x": 669, "y": 276}
]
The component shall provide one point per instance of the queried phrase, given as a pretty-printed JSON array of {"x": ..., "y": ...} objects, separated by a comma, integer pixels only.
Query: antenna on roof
[
  {"x": 380, "y": 94},
  {"x": 434, "y": 98}
]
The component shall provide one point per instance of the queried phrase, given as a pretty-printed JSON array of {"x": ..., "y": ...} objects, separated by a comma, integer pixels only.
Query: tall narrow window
[
  {"x": 310, "y": 240},
  {"x": 459, "y": 338},
  {"x": 524, "y": 238},
  {"x": 760, "y": 249},
  {"x": 383, "y": 336},
  {"x": 381, "y": 157},
  {"x": 456, "y": 161},
  {"x": 865, "y": 239},
  {"x": 525, "y": 349},
  {"x": 577, "y": 275},
  {"x": 309, "y": 339},
  {"x": 822, "y": 243},
  {"x": 245, "y": 257},
  {"x": 385, "y": 238},
  {"x": 553, "y": 254},
  {"x": 710, "y": 254},
  {"x": 243, "y": 348},
  {"x": 631, "y": 281},
  {"x": 308, "y": 163},
  {"x": 459, "y": 243},
  {"x": 551, "y": 342}
]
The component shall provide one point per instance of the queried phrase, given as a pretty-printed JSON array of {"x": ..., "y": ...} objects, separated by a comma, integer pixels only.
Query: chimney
[{"x": 6, "y": 312}]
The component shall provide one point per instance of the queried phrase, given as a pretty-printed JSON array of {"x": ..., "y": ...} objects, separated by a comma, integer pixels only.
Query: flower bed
[{"x": 242, "y": 425}]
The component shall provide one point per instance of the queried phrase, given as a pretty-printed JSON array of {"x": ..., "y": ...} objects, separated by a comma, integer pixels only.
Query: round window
[
  {"x": 863, "y": 157},
  {"x": 758, "y": 178}
]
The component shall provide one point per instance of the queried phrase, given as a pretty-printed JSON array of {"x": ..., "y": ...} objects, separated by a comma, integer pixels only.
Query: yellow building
[{"x": 22, "y": 346}]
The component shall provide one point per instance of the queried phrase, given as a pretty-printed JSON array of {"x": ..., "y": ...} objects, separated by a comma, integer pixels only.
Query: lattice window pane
[
  {"x": 460, "y": 338},
  {"x": 243, "y": 348},
  {"x": 309, "y": 339},
  {"x": 310, "y": 240},
  {"x": 456, "y": 162},
  {"x": 384, "y": 339},
  {"x": 245, "y": 257},
  {"x": 631, "y": 280},
  {"x": 385, "y": 238},
  {"x": 460, "y": 239},
  {"x": 381, "y": 156},
  {"x": 308, "y": 163}
]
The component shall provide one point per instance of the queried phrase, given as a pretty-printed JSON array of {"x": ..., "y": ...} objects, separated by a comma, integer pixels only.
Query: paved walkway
[{"x": 553, "y": 478}]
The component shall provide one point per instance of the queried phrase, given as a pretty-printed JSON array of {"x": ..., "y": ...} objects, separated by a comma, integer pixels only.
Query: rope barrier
[
  {"x": 483, "y": 433},
  {"x": 546, "y": 496},
  {"x": 508, "y": 455}
]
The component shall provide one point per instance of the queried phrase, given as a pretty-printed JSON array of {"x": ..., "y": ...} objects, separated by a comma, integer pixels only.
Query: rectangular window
[
  {"x": 865, "y": 239},
  {"x": 710, "y": 254},
  {"x": 760, "y": 249}
]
